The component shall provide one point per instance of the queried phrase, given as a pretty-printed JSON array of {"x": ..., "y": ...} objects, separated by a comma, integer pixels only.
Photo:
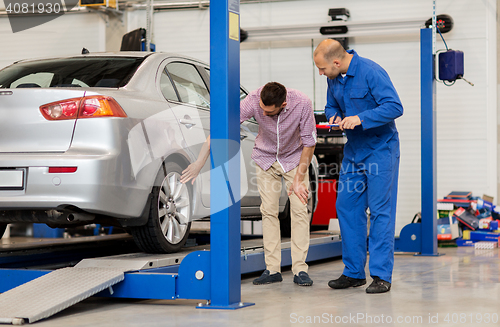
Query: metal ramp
[{"x": 54, "y": 292}]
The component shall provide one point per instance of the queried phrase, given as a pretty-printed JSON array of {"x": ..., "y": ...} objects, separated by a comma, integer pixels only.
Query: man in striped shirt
[{"x": 283, "y": 149}]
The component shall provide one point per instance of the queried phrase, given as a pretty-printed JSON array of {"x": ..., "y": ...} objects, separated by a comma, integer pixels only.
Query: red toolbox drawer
[{"x": 327, "y": 197}]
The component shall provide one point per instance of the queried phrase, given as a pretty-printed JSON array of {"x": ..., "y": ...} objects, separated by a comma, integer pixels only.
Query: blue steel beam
[
  {"x": 428, "y": 144},
  {"x": 225, "y": 158}
]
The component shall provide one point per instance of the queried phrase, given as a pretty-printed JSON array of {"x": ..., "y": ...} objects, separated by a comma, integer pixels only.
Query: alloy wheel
[{"x": 174, "y": 208}]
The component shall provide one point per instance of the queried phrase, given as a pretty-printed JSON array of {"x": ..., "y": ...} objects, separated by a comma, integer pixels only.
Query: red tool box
[{"x": 327, "y": 196}]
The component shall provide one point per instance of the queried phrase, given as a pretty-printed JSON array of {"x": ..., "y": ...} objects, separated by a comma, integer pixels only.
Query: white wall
[{"x": 65, "y": 35}]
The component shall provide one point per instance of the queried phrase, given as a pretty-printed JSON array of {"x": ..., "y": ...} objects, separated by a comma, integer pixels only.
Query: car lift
[{"x": 31, "y": 295}]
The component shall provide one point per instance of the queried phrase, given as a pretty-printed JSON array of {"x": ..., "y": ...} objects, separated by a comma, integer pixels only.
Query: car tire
[
  {"x": 286, "y": 217},
  {"x": 2, "y": 229},
  {"x": 170, "y": 211}
]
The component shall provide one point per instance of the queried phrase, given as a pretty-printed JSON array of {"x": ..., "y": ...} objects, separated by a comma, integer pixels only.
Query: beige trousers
[{"x": 269, "y": 183}]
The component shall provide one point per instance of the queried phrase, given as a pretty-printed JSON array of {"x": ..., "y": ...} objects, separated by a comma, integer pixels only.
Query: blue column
[
  {"x": 428, "y": 144},
  {"x": 225, "y": 173}
]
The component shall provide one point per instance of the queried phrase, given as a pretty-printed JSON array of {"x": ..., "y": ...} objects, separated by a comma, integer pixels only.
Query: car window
[
  {"x": 167, "y": 88},
  {"x": 78, "y": 82},
  {"x": 71, "y": 72},
  {"x": 243, "y": 93},
  {"x": 189, "y": 84},
  {"x": 34, "y": 80}
]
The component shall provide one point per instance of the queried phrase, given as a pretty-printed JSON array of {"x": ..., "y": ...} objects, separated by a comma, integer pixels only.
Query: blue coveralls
[{"x": 369, "y": 173}]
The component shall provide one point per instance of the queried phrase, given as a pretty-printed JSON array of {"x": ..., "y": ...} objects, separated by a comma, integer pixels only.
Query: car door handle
[
  {"x": 187, "y": 122},
  {"x": 242, "y": 136}
]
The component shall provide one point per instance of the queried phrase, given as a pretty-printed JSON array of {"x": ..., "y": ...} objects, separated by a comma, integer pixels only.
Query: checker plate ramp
[{"x": 54, "y": 292}]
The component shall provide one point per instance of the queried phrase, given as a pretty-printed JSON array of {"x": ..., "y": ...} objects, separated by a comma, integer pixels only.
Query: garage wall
[{"x": 64, "y": 35}]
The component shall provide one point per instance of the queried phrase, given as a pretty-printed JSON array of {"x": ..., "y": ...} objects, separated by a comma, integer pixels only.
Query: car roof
[{"x": 124, "y": 54}]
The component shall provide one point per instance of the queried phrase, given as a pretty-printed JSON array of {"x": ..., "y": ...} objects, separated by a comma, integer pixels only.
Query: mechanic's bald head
[
  {"x": 331, "y": 58},
  {"x": 330, "y": 49}
]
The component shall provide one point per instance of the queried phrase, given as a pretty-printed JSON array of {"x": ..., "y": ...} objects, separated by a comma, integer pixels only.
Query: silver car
[{"x": 104, "y": 138}]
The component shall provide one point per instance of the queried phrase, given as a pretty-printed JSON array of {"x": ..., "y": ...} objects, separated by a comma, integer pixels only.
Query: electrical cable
[{"x": 437, "y": 28}]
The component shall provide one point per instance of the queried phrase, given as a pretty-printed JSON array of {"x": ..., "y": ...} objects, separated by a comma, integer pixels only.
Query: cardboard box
[
  {"x": 448, "y": 229},
  {"x": 467, "y": 218},
  {"x": 461, "y": 242},
  {"x": 484, "y": 236},
  {"x": 443, "y": 232}
]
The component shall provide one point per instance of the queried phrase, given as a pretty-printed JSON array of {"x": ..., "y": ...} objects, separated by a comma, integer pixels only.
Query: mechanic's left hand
[
  {"x": 300, "y": 190},
  {"x": 349, "y": 122}
]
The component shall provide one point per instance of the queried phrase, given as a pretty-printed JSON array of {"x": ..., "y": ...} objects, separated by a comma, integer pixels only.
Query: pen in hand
[{"x": 333, "y": 120}]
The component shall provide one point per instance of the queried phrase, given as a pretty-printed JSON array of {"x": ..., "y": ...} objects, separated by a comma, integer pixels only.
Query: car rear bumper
[{"x": 99, "y": 185}]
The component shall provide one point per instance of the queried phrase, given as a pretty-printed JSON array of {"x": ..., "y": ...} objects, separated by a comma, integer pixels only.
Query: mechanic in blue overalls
[{"x": 364, "y": 103}]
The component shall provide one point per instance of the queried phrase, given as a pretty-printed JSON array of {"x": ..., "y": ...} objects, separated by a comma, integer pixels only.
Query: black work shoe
[
  {"x": 378, "y": 286},
  {"x": 266, "y": 278},
  {"x": 345, "y": 282},
  {"x": 302, "y": 279}
]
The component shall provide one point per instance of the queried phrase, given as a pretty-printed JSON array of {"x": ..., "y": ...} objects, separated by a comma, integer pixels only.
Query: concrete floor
[{"x": 459, "y": 288}]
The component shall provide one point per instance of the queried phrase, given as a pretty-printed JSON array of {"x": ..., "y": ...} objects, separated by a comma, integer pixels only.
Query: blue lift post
[
  {"x": 428, "y": 144},
  {"x": 422, "y": 237},
  {"x": 225, "y": 211}
]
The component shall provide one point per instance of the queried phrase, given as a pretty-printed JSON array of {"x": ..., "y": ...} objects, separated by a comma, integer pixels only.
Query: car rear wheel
[
  {"x": 286, "y": 217},
  {"x": 2, "y": 229},
  {"x": 168, "y": 224}
]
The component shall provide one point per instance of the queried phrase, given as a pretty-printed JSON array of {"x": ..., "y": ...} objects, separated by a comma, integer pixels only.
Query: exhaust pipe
[{"x": 78, "y": 216}]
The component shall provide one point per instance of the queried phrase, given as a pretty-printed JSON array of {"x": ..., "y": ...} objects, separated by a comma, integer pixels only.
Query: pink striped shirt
[{"x": 281, "y": 137}]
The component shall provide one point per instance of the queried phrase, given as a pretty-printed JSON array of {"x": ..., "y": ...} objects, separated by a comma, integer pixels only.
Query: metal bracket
[{"x": 190, "y": 282}]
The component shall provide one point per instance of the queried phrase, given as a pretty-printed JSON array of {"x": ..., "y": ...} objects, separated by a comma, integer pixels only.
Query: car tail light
[
  {"x": 87, "y": 107},
  {"x": 61, "y": 110},
  {"x": 100, "y": 106},
  {"x": 56, "y": 170}
]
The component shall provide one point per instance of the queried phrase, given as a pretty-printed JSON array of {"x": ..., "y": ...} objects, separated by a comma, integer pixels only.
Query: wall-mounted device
[
  {"x": 339, "y": 14},
  {"x": 329, "y": 30},
  {"x": 451, "y": 65},
  {"x": 450, "y": 62},
  {"x": 443, "y": 22}
]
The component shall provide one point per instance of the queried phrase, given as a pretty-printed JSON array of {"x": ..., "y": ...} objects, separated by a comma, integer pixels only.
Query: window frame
[{"x": 186, "y": 62}]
